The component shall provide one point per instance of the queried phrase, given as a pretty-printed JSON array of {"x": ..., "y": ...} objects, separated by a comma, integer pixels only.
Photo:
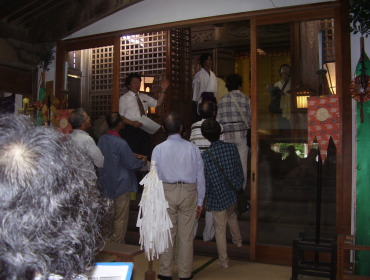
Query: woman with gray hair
[{"x": 51, "y": 213}]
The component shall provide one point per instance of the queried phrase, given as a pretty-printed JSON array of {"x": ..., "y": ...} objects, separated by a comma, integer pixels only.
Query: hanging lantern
[{"x": 360, "y": 85}]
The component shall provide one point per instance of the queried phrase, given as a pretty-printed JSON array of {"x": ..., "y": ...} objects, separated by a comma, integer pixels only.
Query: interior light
[{"x": 146, "y": 83}]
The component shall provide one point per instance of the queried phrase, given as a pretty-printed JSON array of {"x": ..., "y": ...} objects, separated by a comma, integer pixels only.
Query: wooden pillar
[
  {"x": 59, "y": 69},
  {"x": 116, "y": 73},
  {"x": 344, "y": 156}
]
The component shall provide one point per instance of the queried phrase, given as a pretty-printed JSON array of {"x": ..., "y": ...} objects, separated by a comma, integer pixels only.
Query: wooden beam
[
  {"x": 19, "y": 10},
  {"x": 254, "y": 140},
  {"x": 59, "y": 69},
  {"x": 95, "y": 42},
  {"x": 116, "y": 73},
  {"x": 27, "y": 10},
  {"x": 286, "y": 14},
  {"x": 308, "y": 12},
  {"x": 344, "y": 154},
  {"x": 37, "y": 13}
]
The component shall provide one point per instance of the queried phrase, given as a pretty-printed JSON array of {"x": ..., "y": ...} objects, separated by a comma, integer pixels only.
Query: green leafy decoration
[
  {"x": 359, "y": 11},
  {"x": 45, "y": 58}
]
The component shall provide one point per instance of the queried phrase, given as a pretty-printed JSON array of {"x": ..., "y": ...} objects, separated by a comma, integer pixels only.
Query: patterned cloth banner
[
  {"x": 63, "y": 121},
  {"x": 323, "y": 121}
]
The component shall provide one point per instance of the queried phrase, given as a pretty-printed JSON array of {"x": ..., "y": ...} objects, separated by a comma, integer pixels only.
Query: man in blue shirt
[
  {"x": 117, "y": 177},
  {"x": 180, "y": 167},
  {"x": 222, "y": 165}
]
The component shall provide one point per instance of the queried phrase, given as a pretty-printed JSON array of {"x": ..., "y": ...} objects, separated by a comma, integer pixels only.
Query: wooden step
[{"x": 122, "y": 252}]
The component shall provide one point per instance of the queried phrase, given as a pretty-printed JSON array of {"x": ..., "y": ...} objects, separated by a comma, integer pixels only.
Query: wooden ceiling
[
  {"x": 32, "y": 26},
  {"x": 46, "y": 21}
]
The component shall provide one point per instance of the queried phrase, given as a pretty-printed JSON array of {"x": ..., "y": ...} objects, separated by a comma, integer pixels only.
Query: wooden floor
[
  {"x": 205, "y": 262},
  {"x": 206, "y": 268}
]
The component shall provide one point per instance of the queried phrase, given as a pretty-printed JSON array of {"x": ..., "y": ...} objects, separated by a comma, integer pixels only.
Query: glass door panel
[{"x": 288, "y": 168}]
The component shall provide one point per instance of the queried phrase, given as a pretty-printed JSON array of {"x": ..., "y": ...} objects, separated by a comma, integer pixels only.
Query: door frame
[
  {"x": 339, "y": 12},
  {"x": 334, "y": 9}
]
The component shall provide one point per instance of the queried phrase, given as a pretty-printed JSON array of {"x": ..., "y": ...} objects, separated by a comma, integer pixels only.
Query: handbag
[
  {"x": 242, "y": 204},
  {"x": 275, "y": 92}
]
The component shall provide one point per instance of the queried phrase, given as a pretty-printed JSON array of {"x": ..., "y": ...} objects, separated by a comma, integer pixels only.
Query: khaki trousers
[
  {"x": 222, "y": 218},
  {"x": 241, "y": 144},
  {"x": 121, "y": 210},
  {"x": 182, "y": 201}
]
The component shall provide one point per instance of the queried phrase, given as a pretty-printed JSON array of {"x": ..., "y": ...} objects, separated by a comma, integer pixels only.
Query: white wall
[
  {"x": 151, "y": 12},
  {"x": 355, "y": 50}
]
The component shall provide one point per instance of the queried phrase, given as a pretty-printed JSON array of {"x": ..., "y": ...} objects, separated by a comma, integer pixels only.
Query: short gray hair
[
  {"x": 51, "y": 213},
  {"x": 76, "y": 118}
]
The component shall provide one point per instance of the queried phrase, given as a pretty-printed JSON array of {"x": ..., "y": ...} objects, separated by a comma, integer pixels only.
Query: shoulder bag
[{"x": 241, "y": 199}]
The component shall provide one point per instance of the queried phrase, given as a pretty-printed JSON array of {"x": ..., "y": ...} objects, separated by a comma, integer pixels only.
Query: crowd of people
[{"x": 58, "y": 189}]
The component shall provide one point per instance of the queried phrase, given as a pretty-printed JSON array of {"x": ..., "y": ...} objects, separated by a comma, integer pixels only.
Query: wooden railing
[{"x": 345, "y": 268}]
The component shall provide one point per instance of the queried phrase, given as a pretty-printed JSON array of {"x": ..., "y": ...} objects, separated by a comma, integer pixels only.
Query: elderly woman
[{"x": 50, "y": 209}]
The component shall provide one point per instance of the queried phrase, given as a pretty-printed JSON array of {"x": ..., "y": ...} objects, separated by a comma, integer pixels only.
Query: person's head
[
  {"x": 172, "y": 123},
  {"x": 291, "y": 150},
  {"x": 207, "y": 110},
  {"x": 133, "y": 82},
  {"x": 234, "y": 82},
  {"x": 205, "y": 60},
  {"x": 115, "y": 121},
  {"x": 79, "y": 119},
  {"x": 50, "y": 211},
  {"x": 284, "y": 71},
  {"x": 211, "y": 130}
]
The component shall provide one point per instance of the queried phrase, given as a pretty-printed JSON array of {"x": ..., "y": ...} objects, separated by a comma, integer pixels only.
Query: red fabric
[
  {"x": 63, "y": 121},
  {"x": 322, "y": 130},
  {"x": 111, "y": 132}
]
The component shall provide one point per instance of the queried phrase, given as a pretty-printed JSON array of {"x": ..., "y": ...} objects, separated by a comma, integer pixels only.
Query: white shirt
[
  {"x": 88, "y": 146},
  {"x": 129, "y": 108},
  {"x": 204, "y": 82}
]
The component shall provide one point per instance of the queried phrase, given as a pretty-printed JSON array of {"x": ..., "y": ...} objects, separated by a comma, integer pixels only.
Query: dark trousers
[{"x": 137, "y": 139}]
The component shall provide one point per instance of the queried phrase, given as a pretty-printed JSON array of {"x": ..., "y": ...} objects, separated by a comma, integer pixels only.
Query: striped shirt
[{"x": 198, "y": 139}]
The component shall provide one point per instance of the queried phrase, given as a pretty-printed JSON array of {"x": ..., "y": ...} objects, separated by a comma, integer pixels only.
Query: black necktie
[{"x": 140, "y": 104}]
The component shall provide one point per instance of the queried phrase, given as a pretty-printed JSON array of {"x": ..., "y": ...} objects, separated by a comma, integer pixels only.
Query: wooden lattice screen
[
  {"x": 144, "y": 54},
  {"x": 101, "y": 81},
  {"x": 141, "y": 53},
  {"x": 150, "y": 55},
  {"x": 327, "y": 26}
]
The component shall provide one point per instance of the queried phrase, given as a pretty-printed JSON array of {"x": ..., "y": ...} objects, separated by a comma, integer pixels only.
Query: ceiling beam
[{"x": 35, "y": 12}]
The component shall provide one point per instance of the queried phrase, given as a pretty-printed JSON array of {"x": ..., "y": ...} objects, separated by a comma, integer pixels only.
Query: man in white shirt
[
  {"x": 205, "y": 80},
  {"x": 132, "y": 105},
  {"x": 80, "y": 123}
]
